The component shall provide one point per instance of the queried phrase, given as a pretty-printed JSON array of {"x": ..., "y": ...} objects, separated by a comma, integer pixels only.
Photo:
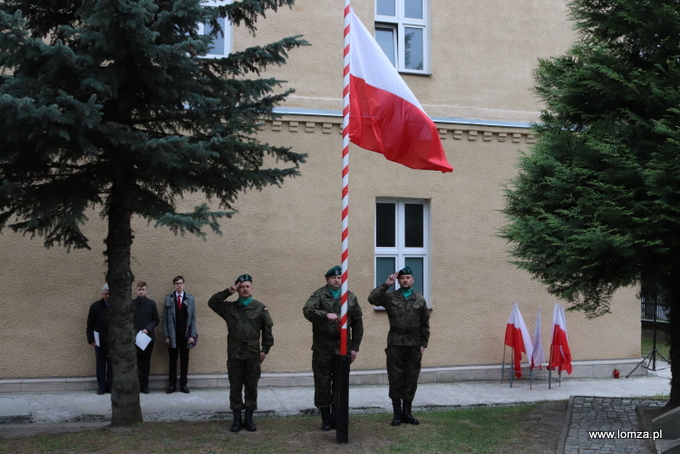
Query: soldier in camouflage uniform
[
  {"x": 406, "y": 341},
  {"x": 246, "y": 318},
  {"x": 323, "y": 310}
]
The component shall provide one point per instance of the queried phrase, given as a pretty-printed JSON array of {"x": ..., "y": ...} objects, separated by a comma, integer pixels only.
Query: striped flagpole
[
  {"x": 345, "y": 182},
  {"x": 342, "y": 410}
]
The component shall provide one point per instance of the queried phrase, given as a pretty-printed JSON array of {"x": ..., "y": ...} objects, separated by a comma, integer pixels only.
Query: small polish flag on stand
[
  {"x": 517, "y": 337},
  {"x": 538, "y": 356},
  {"x": 384, "y": 115},
  {"x": 560, "y": 354}
]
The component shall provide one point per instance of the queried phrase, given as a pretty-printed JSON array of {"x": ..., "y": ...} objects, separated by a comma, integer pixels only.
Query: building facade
[{"x": 470, "y": 66}]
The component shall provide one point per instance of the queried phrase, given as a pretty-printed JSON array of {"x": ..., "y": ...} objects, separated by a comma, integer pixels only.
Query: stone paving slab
[{"x": 612, "y": 415}]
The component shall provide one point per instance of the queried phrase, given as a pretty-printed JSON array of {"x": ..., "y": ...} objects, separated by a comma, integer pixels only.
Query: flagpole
[{"x": 342, "y": 412}]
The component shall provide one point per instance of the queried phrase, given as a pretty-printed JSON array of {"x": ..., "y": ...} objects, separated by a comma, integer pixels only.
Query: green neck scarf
[
  {"x": 247, "y": 301},
  {"x": 335, "y": 293},
  {"x": 406, "y": 293}
]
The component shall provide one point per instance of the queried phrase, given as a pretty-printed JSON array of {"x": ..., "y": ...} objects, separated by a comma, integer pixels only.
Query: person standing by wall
[
  {"x": 179, "y": 330},
  {"x": 145, "y": 320},
  {"x": 97, "y": 335},
  {"x": 323, "y": 310},
  {"x": 406, "y": 341},
  {"x": 248, "y": 320}
]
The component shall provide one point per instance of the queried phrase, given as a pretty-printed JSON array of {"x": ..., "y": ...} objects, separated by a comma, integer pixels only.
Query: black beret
[
  {"x": 335, "y": 271},
  {"x": 405, "y": 270},
  {"x": 243, "y": 278}
]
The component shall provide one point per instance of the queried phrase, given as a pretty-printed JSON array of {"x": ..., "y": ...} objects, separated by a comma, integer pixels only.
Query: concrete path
[{"x": 617, "y": 411}]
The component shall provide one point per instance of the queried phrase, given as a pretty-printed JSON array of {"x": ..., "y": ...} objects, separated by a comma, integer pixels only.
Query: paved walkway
[
  {"x": 609, "y": 405},
  {"x": 616, "y": 416}
]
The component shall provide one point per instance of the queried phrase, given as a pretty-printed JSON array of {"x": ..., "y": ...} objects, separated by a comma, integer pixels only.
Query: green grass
[{"x": 476, "y": 430}]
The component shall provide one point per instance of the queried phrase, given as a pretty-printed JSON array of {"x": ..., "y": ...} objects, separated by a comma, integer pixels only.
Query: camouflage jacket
[
  {"x": 244, "y": 325},
  {"x": 409, "y": 319},
  {"x": 327, "y": 332}
]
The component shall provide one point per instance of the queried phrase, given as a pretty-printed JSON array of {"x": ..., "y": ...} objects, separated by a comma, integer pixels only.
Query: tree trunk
[{"x": 125, "y": 406}]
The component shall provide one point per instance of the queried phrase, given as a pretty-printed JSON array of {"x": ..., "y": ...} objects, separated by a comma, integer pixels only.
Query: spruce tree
[
  {"x": 109, "y": 104},
  {"x": 596, "y": 204}
]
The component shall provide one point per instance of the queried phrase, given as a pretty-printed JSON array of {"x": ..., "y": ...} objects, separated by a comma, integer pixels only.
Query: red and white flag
[
  {"x": 538, "y": 355},
  {"x": 384, "y": 115},
  {"x": 517, "y": 337},
  {"x": 560, "y": 354}
]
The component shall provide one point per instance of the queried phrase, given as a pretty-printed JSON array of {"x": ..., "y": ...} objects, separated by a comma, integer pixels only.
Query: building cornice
[{"x": 330, "y": 121}]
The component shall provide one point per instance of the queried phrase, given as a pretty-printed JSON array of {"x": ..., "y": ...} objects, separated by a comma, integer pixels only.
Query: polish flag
[
  {"x": 538, "y": 356},
  {"x": 517, "y": 337},
  {"x": 384, "y": 115},
  {"x": 560, "y": 354}
]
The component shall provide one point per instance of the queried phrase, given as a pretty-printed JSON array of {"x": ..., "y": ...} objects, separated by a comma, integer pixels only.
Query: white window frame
[
  {"x": 227, "y": 29},
  {"x": 399, "y": 23},
  {"x": 400, "y": 252}
]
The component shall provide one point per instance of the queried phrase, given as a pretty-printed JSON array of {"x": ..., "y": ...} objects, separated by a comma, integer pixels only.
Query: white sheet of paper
[
  {"x": 96, "y": 338},
  {"x": 142, "y": 340}
]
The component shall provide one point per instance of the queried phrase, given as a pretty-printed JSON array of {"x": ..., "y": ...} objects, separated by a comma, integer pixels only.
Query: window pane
[
  {"x": 385, "y": 225},
  {"x": 385, "y": 7},
  {"x": 413, "y": 9},
  {"x": 218, "y": 45},
  {"x": 385, "y": 39},
  {"x": 416, "y": 265},
  {"x": 413, "y": 214},
  {"x": 413, "y": 48},
  {"x": 384, "y": 266}
]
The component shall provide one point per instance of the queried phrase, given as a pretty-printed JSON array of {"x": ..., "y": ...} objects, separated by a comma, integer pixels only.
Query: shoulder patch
[
  {"x": 313, "y": 294},
  {"x": 265, "y": 309}
]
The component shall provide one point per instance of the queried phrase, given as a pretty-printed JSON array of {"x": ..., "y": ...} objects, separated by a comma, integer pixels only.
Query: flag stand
[{"x": 503, "y": 364}]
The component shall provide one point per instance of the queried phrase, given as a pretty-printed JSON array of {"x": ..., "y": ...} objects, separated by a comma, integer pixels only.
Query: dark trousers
[
  {"x": 403, "y": 369},
  {"x": 144, "y": 365},
  {"x": 324, "y": 366},
  {"x": 183, "y": 351},
  {"x": 104, "y": 369},
  {"x": 243, "y": 373}
]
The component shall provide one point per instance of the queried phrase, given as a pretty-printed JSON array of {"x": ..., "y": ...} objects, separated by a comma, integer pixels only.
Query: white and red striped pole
[
  {"x": 342, "y": 410},
  {"x": 345, "y": 182}
]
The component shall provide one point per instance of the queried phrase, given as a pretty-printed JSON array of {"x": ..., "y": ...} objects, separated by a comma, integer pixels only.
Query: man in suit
[
  {"x": 179, "y": 330},
  {"x": 98, "y": 322},
  {"x": 145, "y": 320}
]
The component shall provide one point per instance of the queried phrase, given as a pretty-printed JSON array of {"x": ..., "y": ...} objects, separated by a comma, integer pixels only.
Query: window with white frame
[
  {"x": 401, "y": 31},
  {"x": 402, "y": 239},
  {"x": 221, "y": 46}
]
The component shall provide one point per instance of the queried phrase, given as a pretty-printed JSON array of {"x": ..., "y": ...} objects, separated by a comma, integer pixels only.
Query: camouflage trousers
[
  {"x": 243, "y": 373},
  {"x": 324, "y": 366},
  {"x": 403, "y": 369}
]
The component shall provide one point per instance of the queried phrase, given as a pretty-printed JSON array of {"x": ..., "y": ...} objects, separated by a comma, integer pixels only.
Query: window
[
  {"x": 401, "y": 239},
  {"x": 401, "y": 32},
  {"x": 221, "y": 46}
]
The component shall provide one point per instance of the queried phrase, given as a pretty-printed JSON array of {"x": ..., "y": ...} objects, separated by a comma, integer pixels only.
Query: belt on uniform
[{"x": 414, "y": 332}]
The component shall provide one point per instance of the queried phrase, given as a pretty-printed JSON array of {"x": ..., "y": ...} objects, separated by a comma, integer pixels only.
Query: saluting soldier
[
  {"x": 248, "y": 320},
  {"x": 323, "y": 310},
  {"x": 406, "y": 341}
]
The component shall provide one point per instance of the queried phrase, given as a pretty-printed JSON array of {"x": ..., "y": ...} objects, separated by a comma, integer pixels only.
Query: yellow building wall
[{"x": 287, "y": 237}]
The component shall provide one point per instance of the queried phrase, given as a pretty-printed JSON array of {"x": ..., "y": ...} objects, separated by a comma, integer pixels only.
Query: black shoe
[
  {"x": 100, "y": 392},
  {"x": 325, "y": 418},
  {"x": 108, "y": 390},
  {"x": 184, "y": 389},
  {"x": 171, "y": 390},
  {"x": 248, "y": 422},
  {"x": 407, "y": 417},
  {"x": 396, "y": 411},
  {"x": 237, "y": 424},
  {"x": 144, "y": 390}
]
